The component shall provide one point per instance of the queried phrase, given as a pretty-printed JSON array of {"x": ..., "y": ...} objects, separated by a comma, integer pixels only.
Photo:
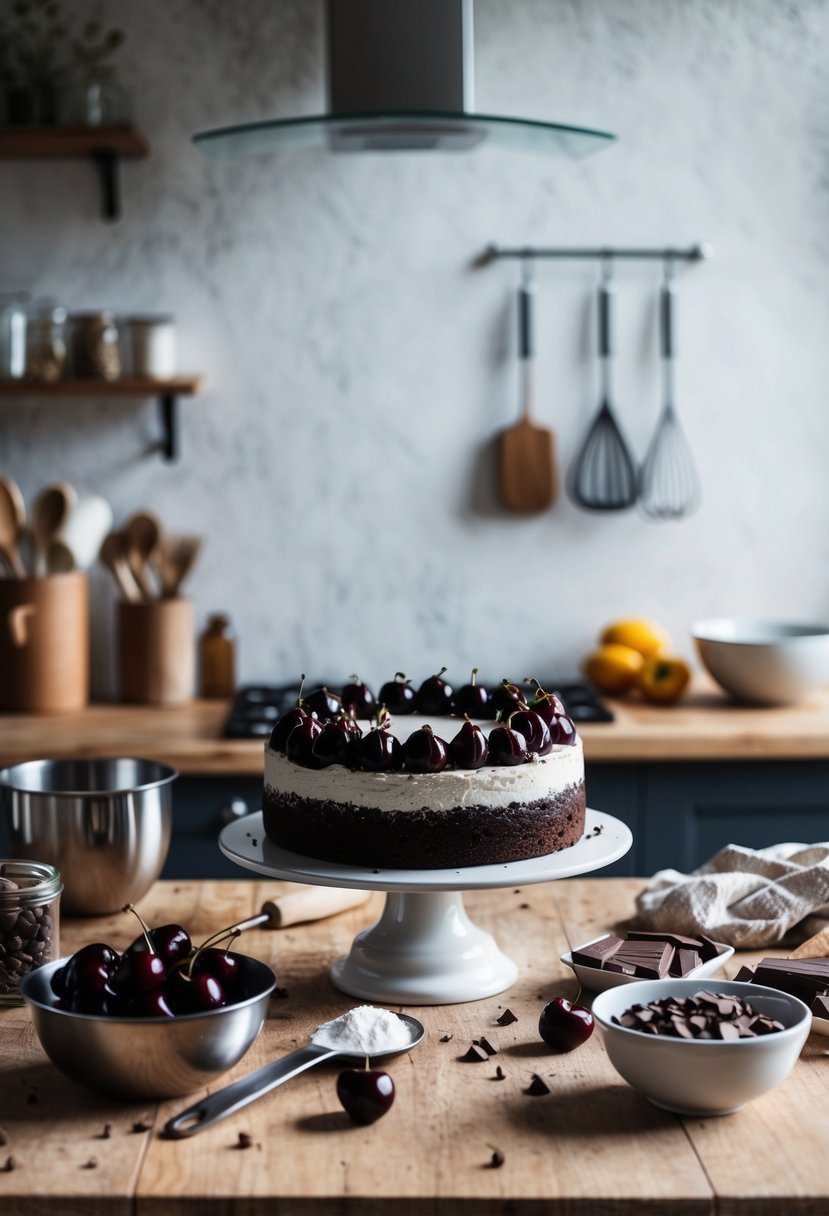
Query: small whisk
[
  {"x": 668, "y": 483},
  {"x": 603, "y": 475}
]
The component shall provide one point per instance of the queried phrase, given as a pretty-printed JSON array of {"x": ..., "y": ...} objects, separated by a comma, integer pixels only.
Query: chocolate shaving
[
  {"x": 487, "y": 1046},
  {"x": 91, "y": 1164},
  {"x": 245, "y": 1140},
  {"x": 500, "y": 1075},
  {"x": 446, "y": 1038},
  {"x": 8, "y": 1165},
  {"x": 506, "y": 1018},
  {"x": 141, "y": 1125},
  {"x": 537, "y": 1088},
  {"x": 474, "y": 1055},
  {"x": 523, "y": 905},
  {"x": 105, "y": 1132},
  {"x": 496, "y": 1160}
]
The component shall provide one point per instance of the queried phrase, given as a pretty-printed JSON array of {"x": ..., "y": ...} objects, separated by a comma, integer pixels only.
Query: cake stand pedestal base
[{"x": 424, "y": 950}]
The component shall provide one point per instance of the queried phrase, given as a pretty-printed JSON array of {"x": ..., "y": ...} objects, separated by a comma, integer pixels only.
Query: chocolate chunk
[
  {"x": 244, "y": 1140},
  {"x": 487, "y": 1046},
  {"x": 537, "y": 1088},
  {"x": 507, "y": 1018},
  {"x": 8, "y": 1165},
  {"x": 820, "y": 1007},
  {"x": 705, "y": 1015},
  {"x": 595, "y": 953},
  {"x": 91, "y": 1164},
  {"x": 141, "y": 1125},
  {"x": 496, "y": 1160},
  {"x": 474, "y": 1056},
  {"x": 446, "y": 1038},
  {"x": 499, "y": 1074},
  {"x": 105, "y": 1132}
]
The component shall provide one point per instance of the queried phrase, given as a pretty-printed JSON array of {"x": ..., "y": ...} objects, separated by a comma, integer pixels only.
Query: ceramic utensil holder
[
  {"x": 156, "y": 651},
  {"x": 44, "y": 643}
]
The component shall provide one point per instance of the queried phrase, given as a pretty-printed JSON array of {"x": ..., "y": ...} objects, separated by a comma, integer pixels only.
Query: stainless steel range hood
[{"x": 400, "y": 78}]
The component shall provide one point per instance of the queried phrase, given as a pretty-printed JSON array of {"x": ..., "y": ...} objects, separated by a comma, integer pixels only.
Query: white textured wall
[{"x": 359, "y": 366}]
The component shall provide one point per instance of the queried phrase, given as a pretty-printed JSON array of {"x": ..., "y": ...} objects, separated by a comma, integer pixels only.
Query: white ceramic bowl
[
  {"x": 595, "y": 979},
  {"x": 702, "y": 1076},
  {"x": 765, "y": 662}
]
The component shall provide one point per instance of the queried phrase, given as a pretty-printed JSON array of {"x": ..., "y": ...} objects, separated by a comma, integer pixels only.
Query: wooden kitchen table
[{"x": 591, "y": 1145}]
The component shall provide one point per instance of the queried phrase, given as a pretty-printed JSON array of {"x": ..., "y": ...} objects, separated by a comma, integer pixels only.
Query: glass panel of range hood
[{"x": 405, "y": 131}]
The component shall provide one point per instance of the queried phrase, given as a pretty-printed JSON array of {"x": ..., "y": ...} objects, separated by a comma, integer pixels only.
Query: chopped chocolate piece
[
  {"x": 594, "y": 953},
  {"x": 820, "y": 1007},
  {"x": 446, "y": 1038},
  {"x": 487, "y": 1046},
  {"x": 499, "y": 1074},
  {"x": 744, "y": 975},
  {"x": 496, "y": 1160},
  {"x": 91, "y": 1164},
  {"x": 536, "y": 1087},
  {"x": 244, "y": 1140},
  {"x": 506, "y": 1018},
  {"x": 8, "y": 1165},
  {"x": 702, "y": 1016},
  {"x": 105, "y": 1132},
  {"x": 141, "y": 1125},
  {"x": 474, "y": 1056},
  {"x": 523, "y": 905}
]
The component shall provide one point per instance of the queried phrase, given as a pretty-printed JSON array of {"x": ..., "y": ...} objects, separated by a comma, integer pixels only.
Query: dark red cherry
[
  {"x": 398, "y": 695},
  {"x": 169, "y": 942},
  {"x": 563, "y": 730},
  {"x": 137, "y": 972},
  {"x": 221, "y": 964},
  {"x": 365, "y": 1093},
  {"x": 506, "y": 746},
  {"x": 425, "y": 752},
  {"x": 472, "y": 699},
  {"x": 565, "y": 1026},
  {"x": 151, "y": 1004},
  {"x": 193, "y": 993},
  {"x": 469, "y": 748},
  {"x": 336, "y": 742},
  {"x": 85, "y": 966},
  {"x": 357, "y": 698},
  {"x": 323, "y": 703},
  {"x": 534, "y": 729},
  {"x": 280, "y": 733},
  {"x": 546, "y": 704},
  {"x": 505, "y": 698},
  {"x": 434, "y": 695},
  {"x": 300, "y": 745},
  {"x": 93, "y": 1000},
  {"x": 379, "y": 751}
]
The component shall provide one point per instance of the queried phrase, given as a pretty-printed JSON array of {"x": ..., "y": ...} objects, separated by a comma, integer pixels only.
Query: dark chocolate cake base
[{"x": 424, "y": 840}]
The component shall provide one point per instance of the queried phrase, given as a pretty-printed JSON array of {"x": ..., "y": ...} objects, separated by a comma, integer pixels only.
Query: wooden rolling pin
[{"x": 304, "y": 903}]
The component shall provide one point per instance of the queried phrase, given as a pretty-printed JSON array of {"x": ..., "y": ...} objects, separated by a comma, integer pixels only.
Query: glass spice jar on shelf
[
  {"x": 217, "y": 657},
  {"x": 95, "y": 349},
  {"x": 46, "y": 342}
]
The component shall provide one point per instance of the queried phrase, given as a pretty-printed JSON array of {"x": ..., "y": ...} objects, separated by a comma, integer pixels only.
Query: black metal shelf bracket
[
  {"x": 107, "y": 164},
  {"x": 168, "y": 445}
]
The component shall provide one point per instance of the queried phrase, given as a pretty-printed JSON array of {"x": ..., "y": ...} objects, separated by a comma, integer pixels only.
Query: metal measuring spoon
[{"x": 233, "y": 1097}]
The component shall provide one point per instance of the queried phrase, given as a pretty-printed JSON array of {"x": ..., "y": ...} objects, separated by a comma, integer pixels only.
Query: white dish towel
[{"x": 744, "y": 897}]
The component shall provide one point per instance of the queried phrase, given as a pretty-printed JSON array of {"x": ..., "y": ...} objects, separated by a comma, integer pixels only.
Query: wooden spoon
[
  {"x": 527, "y": 467},
  {"x": 114, "y": 555},
  {"x": 49, "y": 513},
  {"x": 12, "y": 521},
  {"x": 143, "y": 534},
  {"x": 174, "y": 560}
]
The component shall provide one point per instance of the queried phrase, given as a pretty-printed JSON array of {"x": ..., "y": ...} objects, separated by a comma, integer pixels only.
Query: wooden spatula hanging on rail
[{"x": 526, "y": 455}]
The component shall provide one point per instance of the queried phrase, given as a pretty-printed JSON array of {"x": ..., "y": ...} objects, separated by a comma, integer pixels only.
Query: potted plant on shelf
[
  {"x": 32, "y": 35},
  {"x": 93, "y": 96}
]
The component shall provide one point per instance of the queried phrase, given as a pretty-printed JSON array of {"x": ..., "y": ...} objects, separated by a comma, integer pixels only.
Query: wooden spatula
[{"x": 526, "y": 456}]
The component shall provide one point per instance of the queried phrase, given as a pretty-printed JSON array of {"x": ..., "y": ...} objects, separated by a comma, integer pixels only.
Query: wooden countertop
[
  {"x": 591, "y": 1145},
  {"x": 705, "y": 726}
]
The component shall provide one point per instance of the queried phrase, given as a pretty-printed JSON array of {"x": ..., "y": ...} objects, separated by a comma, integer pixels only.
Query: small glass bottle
[
  {"x": 13, "y": 335},
  {"x": 217, "y": 658},
  {"x": 29, "y": 922},
  {"x": 95, "y": 351},
  {"x": 45, "y": 343}
]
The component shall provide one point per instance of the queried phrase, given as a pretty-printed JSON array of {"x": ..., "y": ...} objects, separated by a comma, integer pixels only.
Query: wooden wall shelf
[
  {"x": 167, "y": 392},
  {"x": 104, "y": 146}
]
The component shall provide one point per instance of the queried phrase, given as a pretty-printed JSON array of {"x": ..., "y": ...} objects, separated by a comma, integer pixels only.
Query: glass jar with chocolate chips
[{"x": 29, "y": 925}]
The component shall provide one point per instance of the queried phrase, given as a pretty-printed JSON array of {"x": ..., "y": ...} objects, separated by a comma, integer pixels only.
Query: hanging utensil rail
[{"x": 690, "y": 253}]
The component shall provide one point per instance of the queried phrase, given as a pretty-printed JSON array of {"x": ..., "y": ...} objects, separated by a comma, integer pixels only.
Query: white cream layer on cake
[{"x": 494, "y": 786}]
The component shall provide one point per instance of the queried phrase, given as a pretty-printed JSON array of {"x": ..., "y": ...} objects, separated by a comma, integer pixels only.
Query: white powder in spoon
[{"x": 364, "y": 1031}]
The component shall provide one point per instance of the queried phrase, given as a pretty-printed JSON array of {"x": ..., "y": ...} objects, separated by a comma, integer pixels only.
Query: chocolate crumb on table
[
  {"x": 496, "y": 1160},
  {"x": 537, "y": 1088},
  {"x": 8, "y": 1165},
  {"x": 486, "y": 1045},
  {"x": 446, "y": 1038},
  {"x": 475, "y": 1055},
  {"x": 507, "y": 1018}
]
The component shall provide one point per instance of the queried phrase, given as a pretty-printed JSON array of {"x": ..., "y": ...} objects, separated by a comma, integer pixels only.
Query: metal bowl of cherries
[{"x": 159, "y": 1020}]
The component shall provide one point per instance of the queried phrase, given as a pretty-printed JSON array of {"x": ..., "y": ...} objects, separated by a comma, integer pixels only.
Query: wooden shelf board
[
  {"x": 56, "y": 143},
  {"x": 127, "y": 386}
]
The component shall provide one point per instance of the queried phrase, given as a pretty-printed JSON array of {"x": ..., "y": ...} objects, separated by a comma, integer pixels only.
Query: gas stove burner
[{"x": 257, "y": 707}]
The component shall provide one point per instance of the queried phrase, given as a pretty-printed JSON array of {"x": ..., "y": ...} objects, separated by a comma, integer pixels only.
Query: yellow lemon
[
  {"x": 613, "y": 668},
  {"x": 640, "y": 634},
  {"x": 663, "y": 679}
]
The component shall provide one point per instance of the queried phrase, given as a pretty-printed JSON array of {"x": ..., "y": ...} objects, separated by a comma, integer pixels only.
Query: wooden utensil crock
[
  {"x": 44, "y": 643},
  {"x": 156, "y": 651}
]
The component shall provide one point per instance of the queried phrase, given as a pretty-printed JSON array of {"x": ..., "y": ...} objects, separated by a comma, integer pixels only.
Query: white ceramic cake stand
[{"x": 424, "y": 950}]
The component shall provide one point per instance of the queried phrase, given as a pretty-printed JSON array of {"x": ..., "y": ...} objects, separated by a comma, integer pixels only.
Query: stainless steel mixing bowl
[
  {"x": 103, "y": 823},
  {"x": 139, "y": 1058}
]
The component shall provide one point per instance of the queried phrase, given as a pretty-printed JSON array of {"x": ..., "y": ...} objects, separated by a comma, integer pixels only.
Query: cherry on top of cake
[{"x": 322, "y": 729}]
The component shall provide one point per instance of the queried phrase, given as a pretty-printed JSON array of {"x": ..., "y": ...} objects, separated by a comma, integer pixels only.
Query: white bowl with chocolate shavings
[
  {"x": 608, "y": 961},
  {"x": 698, "y": 1049}
]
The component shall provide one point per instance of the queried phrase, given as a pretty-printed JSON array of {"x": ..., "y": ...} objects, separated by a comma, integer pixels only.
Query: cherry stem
[
  {"x": 299, "y": 695},
  {"x": 233, "y": 932},
  {"x": 142, "y": 923},
  {"x": 400, "y": 677},
  {"x": 474, "y": 677},
  {"x": 438, "y": 674}
]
